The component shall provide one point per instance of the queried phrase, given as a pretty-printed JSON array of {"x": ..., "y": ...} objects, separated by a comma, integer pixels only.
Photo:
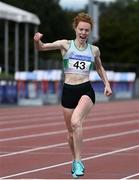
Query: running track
[{"x": 33, "y": 142}]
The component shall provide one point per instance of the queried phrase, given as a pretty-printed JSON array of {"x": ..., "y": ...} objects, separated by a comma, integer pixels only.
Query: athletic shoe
[
  {"x": 82, "y": 165},
  {"x": 77, "y": 169},
  {"x": 73, "y": 167},
  {"x": 73, "y": 170}
]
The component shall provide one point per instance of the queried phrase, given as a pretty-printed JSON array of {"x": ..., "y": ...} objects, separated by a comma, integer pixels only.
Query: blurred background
[{"x": 28, "y": 77}]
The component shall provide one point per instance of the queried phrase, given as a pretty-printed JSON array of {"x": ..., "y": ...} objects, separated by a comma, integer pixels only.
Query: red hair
[{"x": 82, "y": 17}]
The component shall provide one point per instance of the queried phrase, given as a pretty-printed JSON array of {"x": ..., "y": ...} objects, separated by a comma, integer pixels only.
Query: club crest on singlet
[{"x": 76, "y": 61}]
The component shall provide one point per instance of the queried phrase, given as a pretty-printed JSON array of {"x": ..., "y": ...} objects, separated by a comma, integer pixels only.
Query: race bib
[{"x": 78, "y": 65}]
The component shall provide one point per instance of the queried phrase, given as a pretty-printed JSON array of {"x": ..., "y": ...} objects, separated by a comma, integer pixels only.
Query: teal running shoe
[
  {"x": 73, "y": 167},
  {"x": 82, "y": 165},
  {"x": 77, "y": 169},
  {"x": 73, "y": 170}
]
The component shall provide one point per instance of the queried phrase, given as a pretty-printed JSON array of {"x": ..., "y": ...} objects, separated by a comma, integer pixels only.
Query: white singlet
[{"x": 78, "y": 61}]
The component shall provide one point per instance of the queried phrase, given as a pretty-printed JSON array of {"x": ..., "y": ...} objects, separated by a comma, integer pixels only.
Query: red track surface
[{"x": 33, "y": 142}]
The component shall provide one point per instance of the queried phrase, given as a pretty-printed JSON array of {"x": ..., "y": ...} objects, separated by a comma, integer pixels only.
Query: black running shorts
[{"x": 71, "y": 94}]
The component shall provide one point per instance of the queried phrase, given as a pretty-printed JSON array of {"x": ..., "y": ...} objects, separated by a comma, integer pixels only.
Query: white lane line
[
  {"x": 8, "y": 117},
  {"x": 30, "y": 126},
  {"x": 19, "y": 119},
  {"x": 64, "y": 131},
  {"x": 131, "y": 176},
  {"x": 65, "y": 143},
  {"x": 43, "y": 117},
  {"x": 66, "y": 163},
  {"x": 57, "y": 117},
  {"x": 33, "y": 135}
]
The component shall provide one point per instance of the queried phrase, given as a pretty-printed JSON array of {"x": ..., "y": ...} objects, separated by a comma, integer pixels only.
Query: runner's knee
[{"x": 75, "y": 124}]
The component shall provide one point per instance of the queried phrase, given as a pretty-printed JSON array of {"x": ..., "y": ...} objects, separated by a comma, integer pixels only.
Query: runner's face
[{"x": 82, "y": 31}]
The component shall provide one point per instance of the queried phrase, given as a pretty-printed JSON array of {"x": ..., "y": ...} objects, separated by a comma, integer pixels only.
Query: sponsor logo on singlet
[{"x": 75, "y": 56}]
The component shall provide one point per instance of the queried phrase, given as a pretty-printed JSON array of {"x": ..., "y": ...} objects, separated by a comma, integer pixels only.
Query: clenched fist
[{"x": 37, "y": 36}]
